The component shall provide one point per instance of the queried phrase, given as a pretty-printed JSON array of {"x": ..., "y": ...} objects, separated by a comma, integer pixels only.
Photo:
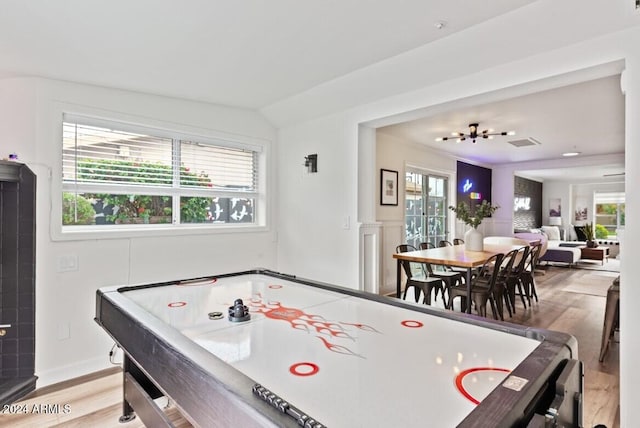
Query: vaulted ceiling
[
  {"x": 248, "y": 53},
  {"x": 282, "y": 57}
]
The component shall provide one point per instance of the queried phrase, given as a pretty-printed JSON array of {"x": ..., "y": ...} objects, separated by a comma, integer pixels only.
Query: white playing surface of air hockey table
[{"x": 338, "y": 358}]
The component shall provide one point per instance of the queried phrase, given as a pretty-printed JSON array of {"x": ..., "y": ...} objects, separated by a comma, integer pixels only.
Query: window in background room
[
  {"x": 426, "y": 213},
  {"x": 610, "y": 215},
  {"x": 119, "y": 174}
]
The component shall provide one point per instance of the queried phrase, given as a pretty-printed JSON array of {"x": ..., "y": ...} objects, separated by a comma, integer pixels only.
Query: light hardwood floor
[
  {"x": 581, "y": 315},
  {"x": 95, "y": 400},
  {"x": 92, "y": 401}
]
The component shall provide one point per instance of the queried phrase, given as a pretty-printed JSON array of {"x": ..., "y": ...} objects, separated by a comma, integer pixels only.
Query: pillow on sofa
[
  {"x": 552, "y": 232},
  {"x": 580, "y": 233},
  {"x": 521, "y": 230}
]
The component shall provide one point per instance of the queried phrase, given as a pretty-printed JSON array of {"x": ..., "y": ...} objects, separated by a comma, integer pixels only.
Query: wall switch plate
[{"x": 67, "y": 263}]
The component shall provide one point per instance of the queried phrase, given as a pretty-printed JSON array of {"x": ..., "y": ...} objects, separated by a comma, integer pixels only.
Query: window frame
[
  {"x": 426, "y": 199},
  {"x": 610, "y": 198},
  {"x": 79, "y": 232}
]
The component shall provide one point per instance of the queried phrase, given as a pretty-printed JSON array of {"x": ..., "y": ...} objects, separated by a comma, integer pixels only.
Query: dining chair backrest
[
  {"x": 489, "y": 271},
  {"x": 458, "y": 241},
  {"x": 521, "y": 259},
  {"x": 406, "y": 264},
  {"x": 534, "y": 255},
  {"x": 405, "y": 248},
  {"x": 426, "y": 245},
  {"x": 509, "y": 261},
  {"x": 444, "y": 243}
]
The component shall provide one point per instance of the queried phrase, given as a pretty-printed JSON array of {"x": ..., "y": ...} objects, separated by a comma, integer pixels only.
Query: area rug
[
  {"x": 612, "y": 265},
  {"x": 594, "y": 284}
]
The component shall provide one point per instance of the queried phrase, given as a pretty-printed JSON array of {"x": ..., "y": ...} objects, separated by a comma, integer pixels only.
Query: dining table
[{"x": 453, "y": 255}]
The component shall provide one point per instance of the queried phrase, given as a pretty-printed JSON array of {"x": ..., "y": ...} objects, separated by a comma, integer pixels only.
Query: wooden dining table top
[{"x": 455, "y": 255}]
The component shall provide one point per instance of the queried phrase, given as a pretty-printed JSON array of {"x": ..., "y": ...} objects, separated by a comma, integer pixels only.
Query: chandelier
[{"x": 474, "y": 134}]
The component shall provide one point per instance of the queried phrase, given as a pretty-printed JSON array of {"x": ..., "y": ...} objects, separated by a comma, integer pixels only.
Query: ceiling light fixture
[
  {"x": 568, "y": 154},
  {"x": 474, "y": 134}
]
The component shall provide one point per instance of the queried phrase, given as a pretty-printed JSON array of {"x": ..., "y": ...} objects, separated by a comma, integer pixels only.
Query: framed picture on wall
[
  {"x": 555, "y": 210},
  {"x": 388, "y": 187},
  {"x": 580, "y": 213}
]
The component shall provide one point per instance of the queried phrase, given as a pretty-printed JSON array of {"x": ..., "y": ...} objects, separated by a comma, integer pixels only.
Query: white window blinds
[
  {"x": 120, "y": 174},
  {"x": 97, "y": 155}
]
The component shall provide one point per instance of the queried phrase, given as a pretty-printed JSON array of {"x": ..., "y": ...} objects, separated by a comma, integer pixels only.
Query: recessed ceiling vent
[{"x": 525, "y": 142}]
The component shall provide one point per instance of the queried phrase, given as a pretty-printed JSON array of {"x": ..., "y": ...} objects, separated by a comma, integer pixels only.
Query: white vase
[{"x": 473, "y": 240}]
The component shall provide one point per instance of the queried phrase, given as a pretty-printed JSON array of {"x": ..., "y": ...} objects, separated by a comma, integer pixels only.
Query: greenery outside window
[
  {"x": 126, "y": 176},
  {"x": 610, "y": 214}
]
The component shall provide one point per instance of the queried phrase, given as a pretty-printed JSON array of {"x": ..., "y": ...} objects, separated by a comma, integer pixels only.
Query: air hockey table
[{"x": 260, "y": 348}]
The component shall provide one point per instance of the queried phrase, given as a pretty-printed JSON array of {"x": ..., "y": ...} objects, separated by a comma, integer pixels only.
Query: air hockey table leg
[
  {"x": 127, "y": 411},
  {"x": 139, "y": 395}
]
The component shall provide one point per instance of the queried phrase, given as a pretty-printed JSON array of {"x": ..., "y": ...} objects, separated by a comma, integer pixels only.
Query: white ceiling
[
  {"x": 586, "y": 117},
  {"x": 248, "y": 53},
  {"x": 255, "y": 54}
]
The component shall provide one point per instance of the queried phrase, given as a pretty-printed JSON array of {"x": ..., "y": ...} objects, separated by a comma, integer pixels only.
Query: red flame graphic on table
[{"x": 300, "y": 320}]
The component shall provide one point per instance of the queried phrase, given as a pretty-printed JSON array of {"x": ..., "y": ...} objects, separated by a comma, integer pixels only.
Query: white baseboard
[{"x": 59, "y": 374}]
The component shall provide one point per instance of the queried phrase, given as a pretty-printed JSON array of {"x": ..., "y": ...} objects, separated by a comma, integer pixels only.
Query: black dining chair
[
  {"x": 482, "y": 287},
  {"x": 426, "y": 245},
  {"x": 445, "y": 243},
  {"x": 458, "y": 241},
  {"x": 421, "y": 282},
  {"x": 527, "y": 277},
  {"x": 510, "y": 277},
  {"x": 449, "y": 277}
]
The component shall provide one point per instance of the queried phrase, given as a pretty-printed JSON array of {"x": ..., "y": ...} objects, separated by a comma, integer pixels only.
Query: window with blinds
[{"x": 118, "y": 174}]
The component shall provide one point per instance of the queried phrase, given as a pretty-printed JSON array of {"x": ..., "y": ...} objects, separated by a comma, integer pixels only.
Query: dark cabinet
[{"x": 17, "y": 281}]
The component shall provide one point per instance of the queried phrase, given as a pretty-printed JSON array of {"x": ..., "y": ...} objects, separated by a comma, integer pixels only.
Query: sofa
[
  {"x": 557, "y": 250},
  {"x": 564, "y": 250}
]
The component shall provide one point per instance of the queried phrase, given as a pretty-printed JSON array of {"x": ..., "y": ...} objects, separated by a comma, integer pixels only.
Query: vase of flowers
[{"x": 473, "y": 239}]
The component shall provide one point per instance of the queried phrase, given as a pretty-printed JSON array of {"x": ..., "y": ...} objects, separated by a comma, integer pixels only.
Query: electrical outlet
[{"x": 68, "y": 263}]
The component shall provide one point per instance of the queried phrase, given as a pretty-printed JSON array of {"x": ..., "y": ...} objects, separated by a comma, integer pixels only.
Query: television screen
[{"x": 474, "y": 184}]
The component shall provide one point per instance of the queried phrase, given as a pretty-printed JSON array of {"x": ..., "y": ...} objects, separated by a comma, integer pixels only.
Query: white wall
[
  {"x": 629, "y": 316},
  {"x": 585, "y": 192},
  {"x": 65, "y": 302},
  {"x": 503, "y": 186},
  {"x": 558, "y": 190},
  {"x": 317, "y": 226},
  {"x": 337, "y": 133},
  {"x": 568, "y": 193},
  {"x": 399, "y": 155}
]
